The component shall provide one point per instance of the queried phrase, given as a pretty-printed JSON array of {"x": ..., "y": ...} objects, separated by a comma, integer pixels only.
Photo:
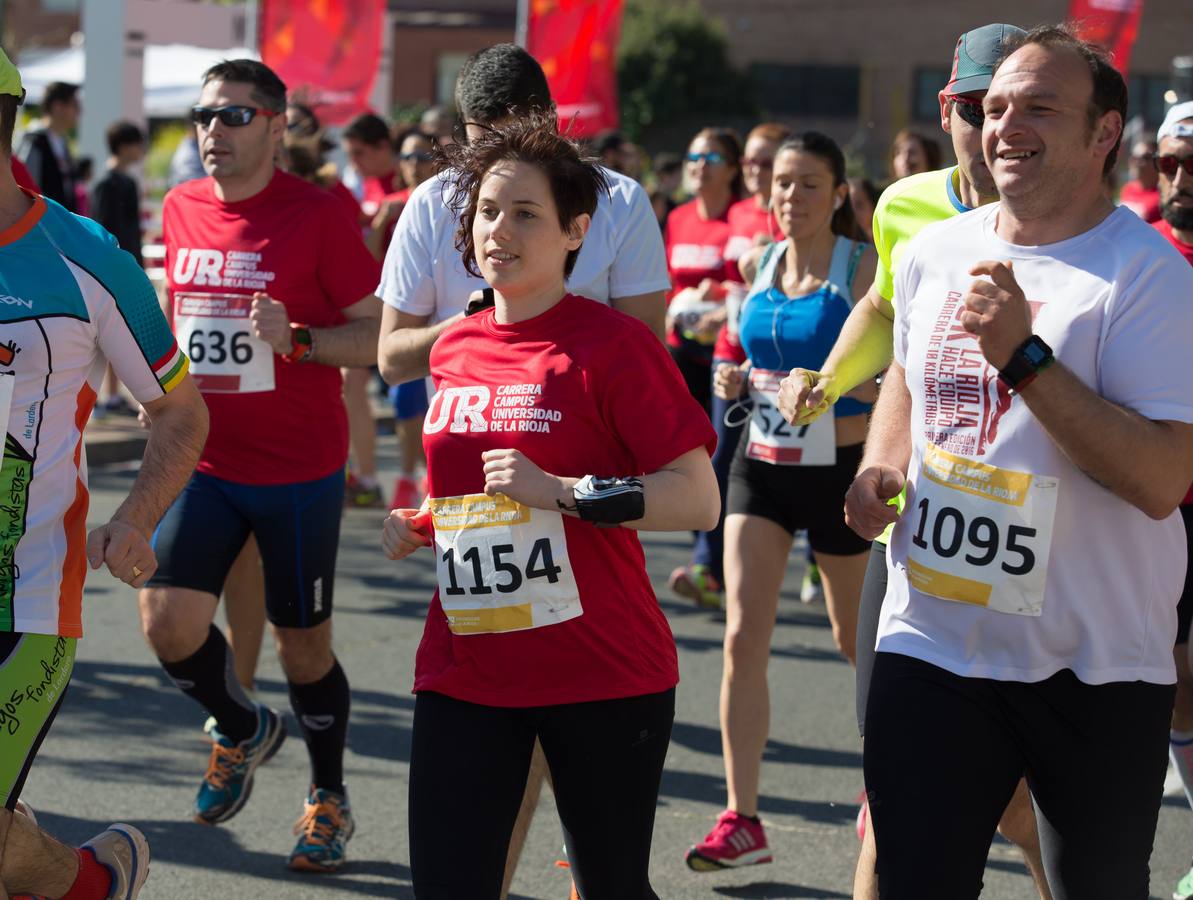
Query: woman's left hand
[{"x": 509, "y": 472}]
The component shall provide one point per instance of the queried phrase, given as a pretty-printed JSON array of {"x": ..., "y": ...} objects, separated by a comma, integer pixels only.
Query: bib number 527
[{"x": 944, "y": 530}]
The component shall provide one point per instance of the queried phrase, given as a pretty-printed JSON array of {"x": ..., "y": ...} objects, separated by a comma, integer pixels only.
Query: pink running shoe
[
  {"x": 406, "y": 494},
  {"x": 734, "y": 841}
]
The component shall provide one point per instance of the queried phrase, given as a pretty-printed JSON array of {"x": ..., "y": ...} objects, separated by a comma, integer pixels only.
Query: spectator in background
[
  {"x": 608, "y": 146},
  {"x": 45, "y": 151},
  {"x": 633, "y": 161},
  {"x": 913, "y": 152},
  {"x": 1141, "y": 194},
  {"x": 305, "y": 149},
  {"x": 863, "y": 197},
  {"x": 186, "y": 164},
  {"x": 416, "y": 163},
  {"x": 116, "y": 198},
  {"x": 370, "y": 149},
  {"x": 750, "y": 224},
  {"x": 695, "y": 238},
  {"x": 668, "y": 178},
  {"x": 438, "y": 123},
  {"x": 84, "y": 172}
]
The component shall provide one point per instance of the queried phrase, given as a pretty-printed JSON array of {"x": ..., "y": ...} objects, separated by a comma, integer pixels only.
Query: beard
[{"x": 1179, "y": 217}]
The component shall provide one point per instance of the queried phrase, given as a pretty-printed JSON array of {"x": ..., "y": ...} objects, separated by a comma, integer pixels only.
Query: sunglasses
[
  {"x": 712, "y": 159},
  {"x": 1167, "y": 165},
  {"x": 417, "y": 156},
  {"x": 232, "y": 116},
  {"x": 969, "y": 109}
]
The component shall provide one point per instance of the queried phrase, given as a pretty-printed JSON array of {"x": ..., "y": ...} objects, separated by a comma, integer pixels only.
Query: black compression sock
[
  {"x": 207, "y": 676},
  {"x": 322, "y": 711}
]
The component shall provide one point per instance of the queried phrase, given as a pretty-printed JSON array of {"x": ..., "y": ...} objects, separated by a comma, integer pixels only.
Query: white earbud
[{"x": 838, "y": 203}]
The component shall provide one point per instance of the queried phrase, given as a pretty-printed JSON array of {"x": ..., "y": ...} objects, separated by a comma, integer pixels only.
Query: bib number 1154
[{"x": 540, "y": 563}]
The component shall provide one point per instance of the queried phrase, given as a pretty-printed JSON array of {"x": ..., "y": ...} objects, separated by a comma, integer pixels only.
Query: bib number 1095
[
  {"x": 540, "y": 563},
  {"x": 981, "y": 539}
]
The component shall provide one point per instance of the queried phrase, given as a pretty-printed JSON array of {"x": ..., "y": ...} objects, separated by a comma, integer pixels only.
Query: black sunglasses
[
  {"x": 417, "y": 156},
  {"x": 232, "y": 116},
  {"x": 1167, "y": 165},
  {"x": 969, "y": 109}
]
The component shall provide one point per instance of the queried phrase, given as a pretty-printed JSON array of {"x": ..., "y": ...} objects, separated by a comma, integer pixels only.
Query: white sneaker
[{"x": 125, "y": 853}]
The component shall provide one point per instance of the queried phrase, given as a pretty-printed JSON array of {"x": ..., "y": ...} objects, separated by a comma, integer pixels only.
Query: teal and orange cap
[
  {"x": 977, "y": 55},
  {"x": 10, "y": 78}
]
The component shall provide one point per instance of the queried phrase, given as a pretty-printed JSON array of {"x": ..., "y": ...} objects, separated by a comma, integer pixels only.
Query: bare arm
[
  {"x": 404, "y": 348},
  {"x": 1149, "y": 464},
  {"x": 350, "y": 344},
  {"x": 883, "y": 469},
  {"x": 648, "y": 308}
]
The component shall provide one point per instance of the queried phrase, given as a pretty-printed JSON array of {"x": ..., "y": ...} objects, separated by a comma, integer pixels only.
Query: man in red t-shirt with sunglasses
[{"x": 271, "y": 289}]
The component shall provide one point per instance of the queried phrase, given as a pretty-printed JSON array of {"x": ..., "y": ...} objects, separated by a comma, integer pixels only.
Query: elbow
[
  {"x": 710, "y": 506},
  {"x": 712, "y": 514},
  {"x": 390, "y": 373}
]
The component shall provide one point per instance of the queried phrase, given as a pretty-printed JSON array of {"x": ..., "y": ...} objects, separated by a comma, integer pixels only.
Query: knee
[
  {"x": 747, "y": 649},
  {"x": 170, "y": 633},
  {"x": 305, "y": 654}
]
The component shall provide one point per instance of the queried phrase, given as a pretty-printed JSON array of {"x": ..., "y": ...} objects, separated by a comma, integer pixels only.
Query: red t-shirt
[
  {"x": 403, "y": 197},
  {"x": 293, "y": 241},
  {"x": 345, "y": 196},
  {"x": 1142, "y": 202},
  {"x": 695, "y": 251},
  {"x": 1186, "y": 251},
  {"x": 23, "y": 178},
  {"x": 747, "y": 220},
  {"x": 374, "y": 190},
  {"x": 614, "y": 404}
]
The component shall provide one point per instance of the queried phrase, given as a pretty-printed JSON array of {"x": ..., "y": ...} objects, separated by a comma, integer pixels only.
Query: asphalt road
[{"x": 128, "y": 747}]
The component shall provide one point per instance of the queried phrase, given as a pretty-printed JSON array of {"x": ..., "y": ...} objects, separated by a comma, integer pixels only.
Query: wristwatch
[
  {"x": 1028, "y": 360},
  {"x": 301, "y": 344}
]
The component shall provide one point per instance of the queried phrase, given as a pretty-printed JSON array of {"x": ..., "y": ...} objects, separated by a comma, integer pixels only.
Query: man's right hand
[
  {"x": 804, "y": 396},
  {"x": 867, "y": 507}
]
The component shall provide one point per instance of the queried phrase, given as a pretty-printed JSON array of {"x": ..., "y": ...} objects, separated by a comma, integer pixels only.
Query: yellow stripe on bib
[
  {"x": 477, "y": 511},
  {"x": 946, "y": 586},
  {"x": 492, "y": 619},
  {"x": 979, "y": 479}
]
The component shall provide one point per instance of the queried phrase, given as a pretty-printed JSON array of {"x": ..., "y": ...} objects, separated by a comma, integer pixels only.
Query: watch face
[{"x": 1035, "y": 352}]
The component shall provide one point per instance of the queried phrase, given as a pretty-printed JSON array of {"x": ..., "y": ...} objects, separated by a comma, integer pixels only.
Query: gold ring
[{"x": 137, "y": 573}]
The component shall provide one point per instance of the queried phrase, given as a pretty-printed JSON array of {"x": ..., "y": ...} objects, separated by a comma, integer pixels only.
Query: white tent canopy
[{"x": 173, "y": 73}]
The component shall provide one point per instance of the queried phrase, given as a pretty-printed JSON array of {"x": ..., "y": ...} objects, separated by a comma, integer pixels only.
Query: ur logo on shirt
[
  {"x": 213, "y": 268},
  {"x": 464, "y": 407},
  {"x": 516, "y": 407}
]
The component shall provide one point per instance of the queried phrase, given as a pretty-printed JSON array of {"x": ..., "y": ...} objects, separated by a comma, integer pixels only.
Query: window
[
  {"x": 925, "y": 107},
  {"x": 829, "y": 92},
  {"x": 1145, "y": 97}
]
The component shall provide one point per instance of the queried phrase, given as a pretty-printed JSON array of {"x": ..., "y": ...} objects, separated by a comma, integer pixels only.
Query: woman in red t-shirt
[
  {"x": 695, "y": 238},
  {"x": 544, "y": 625}
]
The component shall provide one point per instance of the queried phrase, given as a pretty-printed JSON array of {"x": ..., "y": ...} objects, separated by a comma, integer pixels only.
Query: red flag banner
[
  {"x": 327, "y": 52},
  {"x": 575, "y": 42},
  {"x": 1112, "y": 24}
]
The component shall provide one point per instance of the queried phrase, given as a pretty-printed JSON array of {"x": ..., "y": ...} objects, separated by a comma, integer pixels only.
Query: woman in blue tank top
[{"x": 786, "y": 479}]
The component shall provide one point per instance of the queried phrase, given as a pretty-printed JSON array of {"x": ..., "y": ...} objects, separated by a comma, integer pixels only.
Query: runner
[
  {"x": 1174, "y": 166},
  {"x": 750, "y": 223},
  {"x": 696, "y": 236},
  {"x": 425, "y": 286},
  {"x": 252, "y": 252},
  {"x": 72, "y": 300},
  {"x": 1016, "y": 637},
  {"x": 572, "y": 648},
  {"x": 783, "y": 481}
]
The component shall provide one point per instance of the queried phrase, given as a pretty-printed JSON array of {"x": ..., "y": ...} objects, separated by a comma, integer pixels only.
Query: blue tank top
[{"x": 780, "y": 332}]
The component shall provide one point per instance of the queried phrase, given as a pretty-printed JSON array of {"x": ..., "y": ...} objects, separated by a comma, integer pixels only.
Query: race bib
[
  {"x": 215, "y": 332},
  {"x": 8, "y": 383},
  {"x": 980, "y": 534},
  {"x": 502, "y": 566},
  {"x": 773, "y": 440}
]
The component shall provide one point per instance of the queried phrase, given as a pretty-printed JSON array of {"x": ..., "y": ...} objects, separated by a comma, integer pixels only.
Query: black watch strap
[{"x": 1026, "y": 362}]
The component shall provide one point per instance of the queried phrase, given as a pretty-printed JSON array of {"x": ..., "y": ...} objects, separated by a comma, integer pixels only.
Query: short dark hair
[
  {"x": 730, "y": 143},
  {"x": 933, "y": 157},
  {"x": 58, "y": 92},
  {"x": 498, "y": 81},
  {"x": 123, "y": 134},
  {"x": 534, "y": 139},
  {"x": 368, "y": 129},
  {"x": 268, "y": 89},
  {"x": 844, "y": 223},
  {"x": 8, "y": 122},
  {"x": 1109, "y": 88},
  {"x": 666, "y": 162},
  {"x": 84, "y": 168}
]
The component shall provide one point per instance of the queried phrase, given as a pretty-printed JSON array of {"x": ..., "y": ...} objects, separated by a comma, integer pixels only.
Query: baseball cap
[
  {"x": 976, "y": 56},
  {"x": 1174, "y": 124},
  {"x": 10, "y": 78}
]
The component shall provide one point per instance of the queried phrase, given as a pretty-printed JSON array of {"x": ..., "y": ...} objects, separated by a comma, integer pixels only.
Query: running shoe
[
  {"x": 1184, "y": 887},
  {"x": 124, "y": 851},
  {"x": 811, "y": 590},
  {"x": 697, "y": 583},
  {"x": 734, "y": 841},
  {"x": 229, "y": 779},
  {"x": 362, "y": 496},
  {"x": 406, "y": 494},
  {"x": 324, "y": 829}
]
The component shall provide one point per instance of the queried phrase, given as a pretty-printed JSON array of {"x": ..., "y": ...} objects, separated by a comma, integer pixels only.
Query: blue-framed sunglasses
[{"x": 712, "y": 159}]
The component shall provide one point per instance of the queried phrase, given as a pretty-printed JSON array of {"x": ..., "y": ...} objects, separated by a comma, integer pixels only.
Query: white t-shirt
[
  {"x": 423, "y": 273},
  {"x": 996, "y": 514}
]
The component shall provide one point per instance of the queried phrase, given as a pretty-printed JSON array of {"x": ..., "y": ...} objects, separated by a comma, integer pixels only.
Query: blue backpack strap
[{"x": 846, "y": 256}]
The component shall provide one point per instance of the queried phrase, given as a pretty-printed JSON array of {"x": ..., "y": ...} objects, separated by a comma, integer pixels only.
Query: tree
[{"x": 672, "y": 63}]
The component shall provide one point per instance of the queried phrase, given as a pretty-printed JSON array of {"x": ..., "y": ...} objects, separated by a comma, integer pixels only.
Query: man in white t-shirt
[
  {"x": 425, "y": 288},
  {"x": 1041, "y": 415},
  {"x": 423, "y": 282}
]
